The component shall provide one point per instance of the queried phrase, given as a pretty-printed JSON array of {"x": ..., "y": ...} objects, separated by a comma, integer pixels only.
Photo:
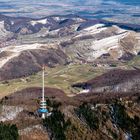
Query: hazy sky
[{"x": 107, "y": 9}]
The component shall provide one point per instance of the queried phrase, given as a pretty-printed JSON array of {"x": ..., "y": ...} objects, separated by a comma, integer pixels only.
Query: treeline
[{"x": 8, "y": 132}]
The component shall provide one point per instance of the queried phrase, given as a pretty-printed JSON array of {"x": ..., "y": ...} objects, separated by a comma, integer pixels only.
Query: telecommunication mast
[{"x": 43, "y": 106}]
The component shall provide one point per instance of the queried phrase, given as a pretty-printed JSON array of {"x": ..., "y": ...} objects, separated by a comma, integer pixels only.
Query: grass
[
  {"x": 61, "y": 77},
  {"x": 134, "y": 62}
]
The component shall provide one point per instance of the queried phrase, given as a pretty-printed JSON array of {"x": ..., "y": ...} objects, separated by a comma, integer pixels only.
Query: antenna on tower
[
  {"x": 43, "y": 106},
  {"x": 43, "y": 91}
]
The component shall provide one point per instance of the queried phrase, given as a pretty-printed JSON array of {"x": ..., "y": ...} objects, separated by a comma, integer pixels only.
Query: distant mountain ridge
[{"x": 16, "y": 24}]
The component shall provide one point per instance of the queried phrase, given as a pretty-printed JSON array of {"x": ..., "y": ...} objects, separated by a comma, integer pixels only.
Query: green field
[{"x": 61, "y": 77}]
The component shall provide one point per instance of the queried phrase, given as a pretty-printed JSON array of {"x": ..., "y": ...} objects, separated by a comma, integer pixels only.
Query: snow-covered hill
[{"x": 78, "y": 39}]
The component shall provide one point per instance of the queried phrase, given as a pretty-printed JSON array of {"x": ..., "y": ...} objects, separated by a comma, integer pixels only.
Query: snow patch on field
[
  {"x": 12, "y": 22},
  {"x": 78, "y": 19},
  {"x": 16, "y": 51},
  {"x": 92, "y": 30},
  {"x": 94, "y": 27},
  {"x": 3, "y": 31},
  {"x": 103, "y": 46},
  {"x": 1, "y": 25},
  {"x": 5, "y": 60},
  {"x": 43, "y": 21},
  {"x": 9, "y": 112},
  {"x": 84, "y": 91},
  {"x": 58, "y": 18}
]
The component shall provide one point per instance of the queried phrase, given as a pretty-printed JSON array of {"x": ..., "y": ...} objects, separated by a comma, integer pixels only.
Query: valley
[{"x": 61, "y": 77}]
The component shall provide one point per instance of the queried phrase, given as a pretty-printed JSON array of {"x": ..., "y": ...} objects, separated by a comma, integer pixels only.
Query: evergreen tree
[{"x": 8, "y": 132}]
